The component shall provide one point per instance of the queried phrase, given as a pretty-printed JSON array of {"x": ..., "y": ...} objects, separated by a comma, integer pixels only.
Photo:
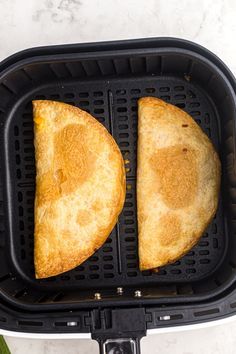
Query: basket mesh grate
[{"x": 115, "y": 106}]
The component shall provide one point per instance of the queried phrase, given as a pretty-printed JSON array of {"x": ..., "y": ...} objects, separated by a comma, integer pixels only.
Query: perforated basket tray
[{"x": 106, "y": 80}]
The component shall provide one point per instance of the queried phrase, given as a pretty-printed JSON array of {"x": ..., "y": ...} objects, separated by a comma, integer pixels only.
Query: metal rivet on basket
[
  {"x": 71, "y": 324},
  {"x": 97, "y": 296},
  {"x": 119, "y": 291},
  {"x": 137, "y": 293},
  {"x": 164, "y": 318}
]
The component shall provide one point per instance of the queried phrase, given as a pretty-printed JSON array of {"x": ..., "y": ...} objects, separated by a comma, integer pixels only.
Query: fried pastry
[
  {"x": 80, "y": 186},
  {"x": 178, "y": 180}
]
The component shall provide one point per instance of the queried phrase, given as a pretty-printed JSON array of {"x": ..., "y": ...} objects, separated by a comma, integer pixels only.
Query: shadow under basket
[{"x": 106, "y": 80}]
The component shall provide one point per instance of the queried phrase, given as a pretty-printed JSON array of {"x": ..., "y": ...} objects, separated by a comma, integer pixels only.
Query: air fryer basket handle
[
  {"x": 118, "y": 331},
  {"x": 120, "y": 346}
]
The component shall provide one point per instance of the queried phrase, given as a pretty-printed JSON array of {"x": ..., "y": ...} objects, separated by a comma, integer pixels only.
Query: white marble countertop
[
  {"x": 212, "y": 23},
  {"x": 220, "y": 339}
]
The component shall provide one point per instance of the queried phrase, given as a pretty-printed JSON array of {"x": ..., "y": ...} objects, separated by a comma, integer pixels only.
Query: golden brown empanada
[
  {"x": 178, "y": 179},
  {"x": 80, "y": 186}
]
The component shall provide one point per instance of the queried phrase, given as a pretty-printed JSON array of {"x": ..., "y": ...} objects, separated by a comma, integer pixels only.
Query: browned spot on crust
[
  {"x": 170, "y": 229},
  {"x": 97, "y": 206},
  {"x": 83, "y": 217},
  {"x": 72, "y": 158},
  {"x": 177, "y": 175},
  {"x": 72, "y": 164}
]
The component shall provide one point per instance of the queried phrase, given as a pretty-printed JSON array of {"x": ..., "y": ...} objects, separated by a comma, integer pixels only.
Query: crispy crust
[
  {"x": 178, "y": 181},
  {"x": 80, "y": 186}
]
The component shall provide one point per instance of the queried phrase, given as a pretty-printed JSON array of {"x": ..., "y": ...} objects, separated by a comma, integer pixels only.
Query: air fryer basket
[{"x": 107, "y": 79}]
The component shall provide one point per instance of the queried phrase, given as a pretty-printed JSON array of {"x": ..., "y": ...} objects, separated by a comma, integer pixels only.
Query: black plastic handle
[
  {"x": 119, "y": 331},
  {"x": 120, "y": 346}
]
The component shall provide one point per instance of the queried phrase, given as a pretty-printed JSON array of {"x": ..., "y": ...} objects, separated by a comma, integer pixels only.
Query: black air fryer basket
[{"x": 107, "y": 295}]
